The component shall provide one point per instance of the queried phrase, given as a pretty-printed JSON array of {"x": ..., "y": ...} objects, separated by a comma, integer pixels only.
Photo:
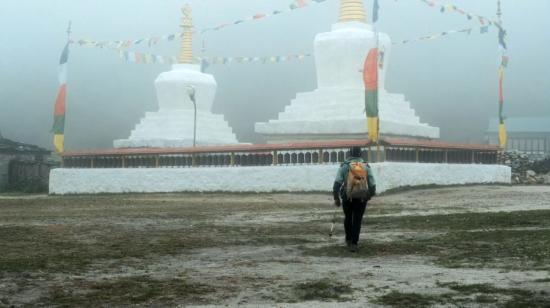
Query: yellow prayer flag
[
  {"x": 372, "y": 128},
  {"x": 501, "y": 72},
  {"x": 59, "y": 143},
  {"x": 502, "y": 136}
]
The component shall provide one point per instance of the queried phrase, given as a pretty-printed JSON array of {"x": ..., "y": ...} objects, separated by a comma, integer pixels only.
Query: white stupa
[
  {"x": 336, "y": 110},
  {"x": 173, "y": 124}
]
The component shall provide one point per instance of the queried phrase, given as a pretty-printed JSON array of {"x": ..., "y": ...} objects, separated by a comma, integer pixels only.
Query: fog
[{"x": 451, "y": 82}]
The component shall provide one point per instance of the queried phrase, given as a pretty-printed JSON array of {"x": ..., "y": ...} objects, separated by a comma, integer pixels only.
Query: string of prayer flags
[
  {"x": 264, "y": 60},
  {"x": 126, "y": 44},
  {"x": 296, "y": 4},
  {"x": 145, "y": 58},
  {"x": 151, "y": 41},
  {"x": 443, "y": 8},
  {"x": 482, "y": 30}
]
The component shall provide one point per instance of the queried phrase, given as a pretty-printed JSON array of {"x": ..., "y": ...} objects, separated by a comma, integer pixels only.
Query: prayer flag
[
  {"x": 502, "y": 38},
  {"x": 370, "y": 78},
  {"x": 505, "y": 60},
  {"x": 375, "y": 11},
  {"x": 59, "y": 110},
  {"x": 298, "y": 4},
  {"x": 502, "y": 135}
]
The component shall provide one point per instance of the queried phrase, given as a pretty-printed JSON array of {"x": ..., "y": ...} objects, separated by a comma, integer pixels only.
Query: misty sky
[{"x": 451, "y": 82}]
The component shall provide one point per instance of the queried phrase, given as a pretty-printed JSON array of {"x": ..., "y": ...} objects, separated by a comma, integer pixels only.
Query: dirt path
[{"x": 473, "y": 246}]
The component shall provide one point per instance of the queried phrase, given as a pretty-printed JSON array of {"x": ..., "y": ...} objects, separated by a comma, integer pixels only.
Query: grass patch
[
  {"x": 62, "y": 248},
  {"x": 67, "y": 249},
  {"x": 484, "y": 294},
  {"x": 535, "y": 301},
  {"x": 488, "y": 293},
  {"x": 322, "y": 290},
  {"x": 399, "y": 299},
  {"x": 470, "y": 288},
  {"x": 509, "y": 249},
  {"x": 130, "y": 291},
  {"x": 483, "y": 288},
  {"x": 404, "y": 189},
  {"x": 497, "y": 247},
  {"x": 463, "y": 221},
  {"x": 485, "y": 299}
]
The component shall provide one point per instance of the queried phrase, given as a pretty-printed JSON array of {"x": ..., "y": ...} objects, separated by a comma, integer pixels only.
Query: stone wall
[
  {"x": 526, "y": 169},
  {"x": 29, "y": 170},
  {"x": 295, "y": 178},
  {"x": 4, "y": 170}
]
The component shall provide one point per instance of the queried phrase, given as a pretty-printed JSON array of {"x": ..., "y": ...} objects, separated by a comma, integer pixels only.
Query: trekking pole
[{"x": 334, "y": 218}]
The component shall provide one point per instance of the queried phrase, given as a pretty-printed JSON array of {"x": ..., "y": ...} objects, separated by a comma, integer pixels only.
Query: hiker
[{"x": 355, "y": 192}]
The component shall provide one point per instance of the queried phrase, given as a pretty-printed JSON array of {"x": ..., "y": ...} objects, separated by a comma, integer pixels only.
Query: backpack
[{"x": 357, "y": 185}]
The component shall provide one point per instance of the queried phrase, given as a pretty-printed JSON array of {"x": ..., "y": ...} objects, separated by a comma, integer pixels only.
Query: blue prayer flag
[{"x": 375, "y": 11}]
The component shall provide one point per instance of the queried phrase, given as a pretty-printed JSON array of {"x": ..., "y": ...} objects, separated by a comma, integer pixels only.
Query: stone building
[
  {"x": 19, "y": 161},
  {"x": 528, "y": 135}
]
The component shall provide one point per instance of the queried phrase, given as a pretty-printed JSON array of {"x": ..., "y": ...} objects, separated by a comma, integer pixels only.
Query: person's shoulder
[
  {"x": 347, "y": 162},
  {"x": 367, "y": 165}
]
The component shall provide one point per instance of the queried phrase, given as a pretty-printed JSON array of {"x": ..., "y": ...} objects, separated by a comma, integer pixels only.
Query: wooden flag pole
[
  {"x": 377, "y": 79},
  {"x": 499, "y": 16}
]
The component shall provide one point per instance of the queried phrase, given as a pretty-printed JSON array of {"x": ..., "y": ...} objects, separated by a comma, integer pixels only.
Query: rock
[
  {"x": 546, "y": 179},
  {"x": 525, "y": 170}
]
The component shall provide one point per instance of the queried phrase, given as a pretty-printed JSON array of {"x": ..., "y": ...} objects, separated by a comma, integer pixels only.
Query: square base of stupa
[
  {"x": 339, "y": 114},
  {"x": 174, "y": 129},
  {"x": 350, "y": 129}
]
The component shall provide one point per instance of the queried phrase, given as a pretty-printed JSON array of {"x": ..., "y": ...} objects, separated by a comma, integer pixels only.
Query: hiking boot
[
  {"x": 348, "y": 243},
  {"x": 353, "y": 247}
]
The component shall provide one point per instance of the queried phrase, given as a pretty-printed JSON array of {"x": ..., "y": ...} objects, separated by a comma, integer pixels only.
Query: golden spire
[
  {"x": 186, "y": 52},
  {"x": 352, "y": 10}
]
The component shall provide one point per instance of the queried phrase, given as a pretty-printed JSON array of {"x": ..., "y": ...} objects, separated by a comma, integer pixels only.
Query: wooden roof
[{"x": 313, "y": 145}]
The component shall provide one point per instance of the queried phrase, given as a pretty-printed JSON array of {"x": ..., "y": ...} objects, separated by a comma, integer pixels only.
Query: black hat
[{"x": 355, "y": 151}]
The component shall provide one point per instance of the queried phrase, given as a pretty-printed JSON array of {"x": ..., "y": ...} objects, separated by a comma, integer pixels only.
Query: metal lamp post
[{"x": 191, "y": 91}]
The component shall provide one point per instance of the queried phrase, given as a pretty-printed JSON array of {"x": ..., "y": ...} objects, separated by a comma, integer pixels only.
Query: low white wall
[{"x": 307, "y": 178}]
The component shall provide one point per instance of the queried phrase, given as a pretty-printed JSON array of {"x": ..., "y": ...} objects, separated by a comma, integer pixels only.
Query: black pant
[{"x": 354, "y": 211}]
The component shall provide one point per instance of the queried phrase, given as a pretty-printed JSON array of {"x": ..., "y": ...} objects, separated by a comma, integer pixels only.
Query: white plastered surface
[{"x": 306, "y": 178}]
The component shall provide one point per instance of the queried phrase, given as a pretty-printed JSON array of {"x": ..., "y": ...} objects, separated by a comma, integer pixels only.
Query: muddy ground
[{"x": 486, "y": 246}]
